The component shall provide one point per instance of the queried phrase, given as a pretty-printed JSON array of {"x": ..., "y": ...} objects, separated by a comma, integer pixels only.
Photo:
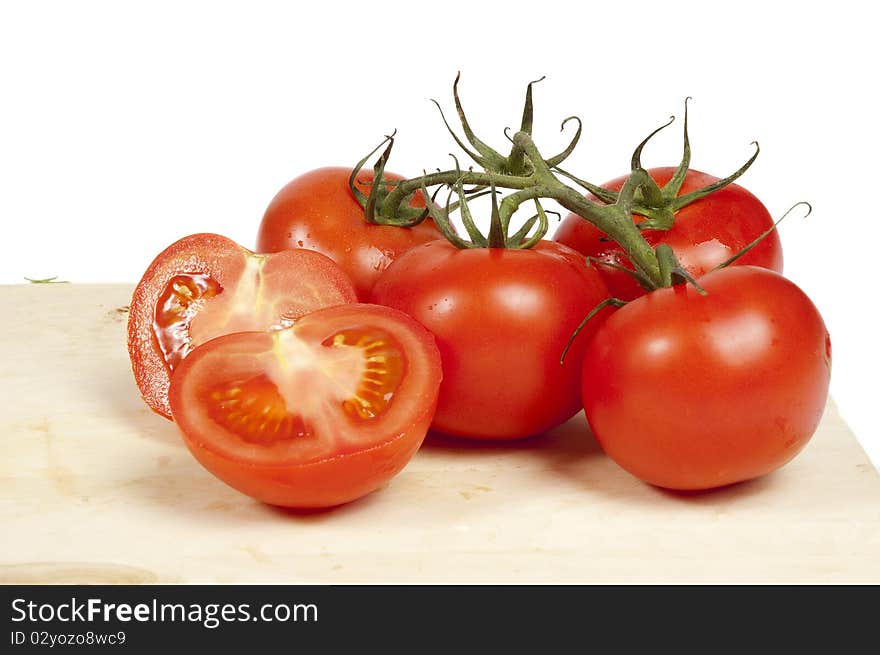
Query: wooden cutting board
[{"x": 96, "y": 488}]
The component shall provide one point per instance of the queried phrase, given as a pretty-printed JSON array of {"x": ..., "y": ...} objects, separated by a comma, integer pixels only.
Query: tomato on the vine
[
  {"x": 313, "y": 415},
  {"x": 205, "y": 285},
  {"x": 705, "y": 233},
  {"x": 690, "y": 391},
  {"x": 318, "y": 211},
  {"x": 502, "y": 317}
]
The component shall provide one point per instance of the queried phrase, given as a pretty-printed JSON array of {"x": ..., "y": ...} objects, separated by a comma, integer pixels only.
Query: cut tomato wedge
[
  {"x": 314, "y": 415},
  {"x": 206, "y": 285}
]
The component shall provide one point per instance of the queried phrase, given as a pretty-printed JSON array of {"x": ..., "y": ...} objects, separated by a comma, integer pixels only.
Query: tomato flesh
[
  {"x": 350, "y": 388},
  {"x": 183, "y": 297},
  {"x": 383, "y": 370},
  {"x": 363, "y": 382},
  {"x": 254, "y": 410},
  {"x": 204, "y": 286}
]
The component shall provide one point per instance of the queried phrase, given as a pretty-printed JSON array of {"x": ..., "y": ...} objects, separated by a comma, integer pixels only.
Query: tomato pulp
[
  {"x": 706, "y": 232},
  {"x": 318, "y": 211},
  {"x": 502, "y": 318},
  {"x": 314, "y": 415},
  {"x": 205, "y": 285},
  {"x": 693, "y": 392}
]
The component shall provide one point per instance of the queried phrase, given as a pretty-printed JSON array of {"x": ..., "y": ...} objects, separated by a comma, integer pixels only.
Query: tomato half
[
  {"x": 314, "y": 415},
  {"x": 706, "y": 232},
  {"x": 692, "y": 392},
  {"x": 205, "y": 285},
  {"x": 502, "y": 318},
  {"x": 318, "y": 211}
]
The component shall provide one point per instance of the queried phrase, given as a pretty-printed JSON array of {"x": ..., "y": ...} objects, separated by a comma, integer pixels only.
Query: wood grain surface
[{"x": 96, "y": 488}]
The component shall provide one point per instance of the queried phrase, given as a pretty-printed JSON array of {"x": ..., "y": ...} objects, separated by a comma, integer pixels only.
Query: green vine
[{"x": 531, "y": 177}]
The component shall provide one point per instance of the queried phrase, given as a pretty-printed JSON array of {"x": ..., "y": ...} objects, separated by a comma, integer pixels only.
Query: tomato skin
[
  {"x": 361, "y": 460},
  {"x": 705, "y": 233},
  {"x": 321, "y": 484},
  {"x": 695, "y": 392},
  {"x": 315, "y": 278},
  {"x": 501, "y": 319},
  {"x": 318, "y": 211}
]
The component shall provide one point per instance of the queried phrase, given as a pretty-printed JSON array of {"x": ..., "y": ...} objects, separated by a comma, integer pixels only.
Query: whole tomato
[
  {"x": 318, "y": 211},
  {"x": 705, "y": 233},
  {"x": 501, "y": 318},
  {"x": 687, "y": 391}
]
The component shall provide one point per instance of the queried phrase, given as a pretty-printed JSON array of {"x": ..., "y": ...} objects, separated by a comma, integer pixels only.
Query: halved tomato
[
  {"x": 314, "y": 415},
  {"x": 206, "y": 285}
]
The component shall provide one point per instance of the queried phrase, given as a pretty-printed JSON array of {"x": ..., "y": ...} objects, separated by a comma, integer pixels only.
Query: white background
[{"x": 124, "y": 126}]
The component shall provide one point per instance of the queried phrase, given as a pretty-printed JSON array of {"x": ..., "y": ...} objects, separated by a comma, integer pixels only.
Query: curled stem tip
[
  {"x": 470, "y": 153},
  {"x": 637, "y": 154},
  {"x": 766, "y": 233},
  {"x": 562, "y": 156},
  {"x": 688, "y": 198},
  {"x": 674, "y": 185},
  {"x": 359, "y": 195},
  {"x": 608, "y": 302},
  {"x": 528, "y": 109},
  {"x": 490, "y": 158},
  {"x": 565, "y": 122},
  {"x": 457, "y": 165}
]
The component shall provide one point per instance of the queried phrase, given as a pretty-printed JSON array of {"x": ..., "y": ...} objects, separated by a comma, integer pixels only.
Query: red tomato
[
  {"x": 318, "y": 211},
  {"x": 315, "y": 415},
  {"x": 502, "y": 318},
  {"x": 692, "y": 392},
  {"x": 206, "y": 285},
  {"x": 705, "y": 233}
]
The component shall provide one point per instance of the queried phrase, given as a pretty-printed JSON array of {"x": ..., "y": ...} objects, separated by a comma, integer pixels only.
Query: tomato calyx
[
  {"x": 513, "y": 171},
  {"x": 406, "y": 215},
  {"x": 531, "y": 177},
  {"x": 672, "y": 272},
  {"x": 499, "y": 235},
  {"x": 659, "y": 204}
]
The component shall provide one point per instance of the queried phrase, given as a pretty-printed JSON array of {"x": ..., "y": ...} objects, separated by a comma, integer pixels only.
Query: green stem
[
  {"x": 614, "y": 220},
  {"x": 668, "y": 263},
  {"x": 404, "y": 189}
]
